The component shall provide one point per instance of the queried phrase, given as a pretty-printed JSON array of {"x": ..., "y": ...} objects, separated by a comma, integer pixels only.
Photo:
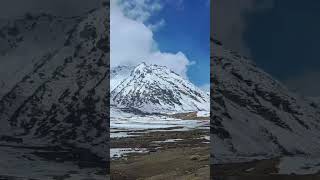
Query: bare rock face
[{"x": 254, "y": 115}]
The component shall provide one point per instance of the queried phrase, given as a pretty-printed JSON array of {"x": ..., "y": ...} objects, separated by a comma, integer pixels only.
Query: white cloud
[
  {"x": 132, "y": 39},
  {"x": 139, "y": 10},
  {"x": 177, "y": 62},
  {"x": 156, "y": 26}
]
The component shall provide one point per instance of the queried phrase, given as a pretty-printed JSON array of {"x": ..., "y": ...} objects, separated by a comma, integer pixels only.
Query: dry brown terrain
[
  {"x": 190, "y": 115},
  {"x": 182, "y": 160},
  {"x": 175, "y": 163}
]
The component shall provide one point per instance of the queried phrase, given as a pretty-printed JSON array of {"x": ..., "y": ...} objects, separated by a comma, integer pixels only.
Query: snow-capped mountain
[
  {"x": 118, "y": 74},
  {"x": 62, "y": 97},
  {"x": 155, "y": 89},
  {"x": 253, "y": 114}
]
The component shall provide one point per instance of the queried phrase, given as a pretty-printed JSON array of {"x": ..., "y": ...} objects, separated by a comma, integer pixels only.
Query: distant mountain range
[{"x": 155, "y": 89}]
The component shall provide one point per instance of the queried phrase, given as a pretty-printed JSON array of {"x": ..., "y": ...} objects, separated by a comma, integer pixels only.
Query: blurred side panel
[{"x": 54, "y": 100}]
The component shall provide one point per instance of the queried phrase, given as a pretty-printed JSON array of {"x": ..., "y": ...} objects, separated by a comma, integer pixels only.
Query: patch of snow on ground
[
  {"x": 127, "y": 123},
  {"x": 206, "y": 138},
  {"x": 250, "y": 169},
  {"x": 120, "y": 152},
  {"x": 203, "y": 114},
  {"x": 121, "y": 134},
  {"x": 123, "y": 124},
  {"x": 168, "y": 141}
]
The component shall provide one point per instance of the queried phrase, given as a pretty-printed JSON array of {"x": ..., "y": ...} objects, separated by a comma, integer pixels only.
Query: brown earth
[
  {"x": 189, "y": 115},
  {"x": 175, "y": 164},
  {"x": 148, "y": 140},
  {"x": 187, "y": 159}
]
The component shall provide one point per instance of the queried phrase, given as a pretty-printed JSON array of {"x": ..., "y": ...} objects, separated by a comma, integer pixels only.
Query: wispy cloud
[
  {"x": 139, "y": 10},
  {"x": 158, "y": 25}
]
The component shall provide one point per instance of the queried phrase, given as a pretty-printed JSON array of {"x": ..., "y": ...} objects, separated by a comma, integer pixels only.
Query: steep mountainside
[
  {"x": 27, "y": 40},
  {"x": 118, "y": 74},
  {"x": 254, "y": 115},
  {"x": 157, "y": 89},
  {"x": 63, "y": 97}
]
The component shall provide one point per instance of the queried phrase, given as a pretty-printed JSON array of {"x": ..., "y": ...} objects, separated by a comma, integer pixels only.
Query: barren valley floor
[{"x": 168, "y": 154}]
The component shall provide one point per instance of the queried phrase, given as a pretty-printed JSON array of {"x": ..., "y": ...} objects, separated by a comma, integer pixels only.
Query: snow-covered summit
[{"x": 155, "y": 88}]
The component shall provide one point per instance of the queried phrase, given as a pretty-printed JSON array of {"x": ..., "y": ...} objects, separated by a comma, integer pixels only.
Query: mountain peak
[
  {"x": 142, "y": 64},
  {"x": 140, "y": 67},
  {"x": 154, "y": 88},
  {"x": 145, "y": 70}
]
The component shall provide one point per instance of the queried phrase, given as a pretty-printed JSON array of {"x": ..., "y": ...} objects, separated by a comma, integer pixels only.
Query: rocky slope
[
  {"x": 155, "y": 89},
  {"x": 27, "y": 40},
  {"x": 253, "y": 115},
  {"x": 61, "y": 98}
]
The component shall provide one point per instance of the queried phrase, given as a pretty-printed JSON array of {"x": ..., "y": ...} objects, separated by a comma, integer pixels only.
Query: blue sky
[
  {"x": 174, "y": 33},
  {"x": 187, "y": 29}
]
